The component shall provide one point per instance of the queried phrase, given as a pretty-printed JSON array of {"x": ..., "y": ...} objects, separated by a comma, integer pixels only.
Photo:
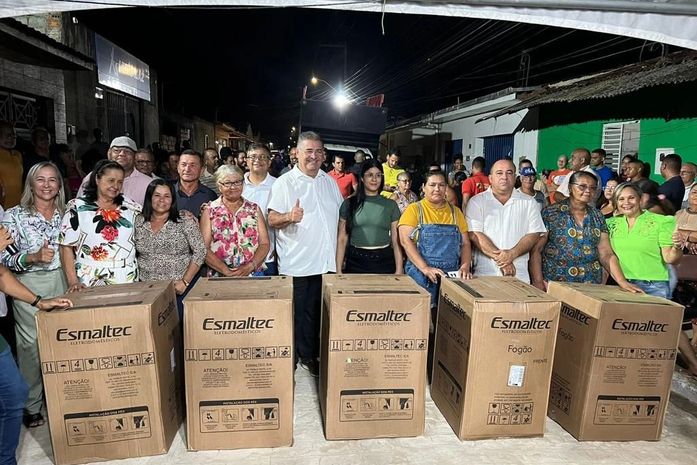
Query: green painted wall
[
  {"x": 561, "y": 140},
  {"x": 680, "y": 134}
]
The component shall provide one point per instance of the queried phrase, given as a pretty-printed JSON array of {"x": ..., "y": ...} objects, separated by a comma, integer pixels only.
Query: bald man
[
  {"x": 512, "y": 222},
  {"x": 580, "y": 161}
]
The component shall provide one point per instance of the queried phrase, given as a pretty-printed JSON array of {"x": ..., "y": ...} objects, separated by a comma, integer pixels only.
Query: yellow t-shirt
[
  {"x": 390, "y": 176},
  {"x": 433, "y": 215},
  {"x": 11, "y": 171}
]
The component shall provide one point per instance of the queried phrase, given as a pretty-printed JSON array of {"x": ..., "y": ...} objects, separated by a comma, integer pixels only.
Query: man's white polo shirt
[
  {"x": 505, "y": 224},
  {"x": 259, "y": 194},
  {"x": 309, "y": 247}
]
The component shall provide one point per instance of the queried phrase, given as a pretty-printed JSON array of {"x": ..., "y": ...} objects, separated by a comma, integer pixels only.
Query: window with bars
[{"x": 620, "y": 139}]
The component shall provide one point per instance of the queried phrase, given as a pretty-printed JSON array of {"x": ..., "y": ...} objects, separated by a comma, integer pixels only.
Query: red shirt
[
  {"x": 475, "y": 184},
  {"x": 345, "y": 180}
]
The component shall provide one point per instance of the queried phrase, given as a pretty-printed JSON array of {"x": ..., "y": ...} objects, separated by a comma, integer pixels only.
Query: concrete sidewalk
[{"x": 439, "y": 445}]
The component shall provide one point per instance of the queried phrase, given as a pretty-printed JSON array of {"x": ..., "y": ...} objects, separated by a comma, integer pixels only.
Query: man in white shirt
[
  {"x": 580, "y": 161},
  {"x": 257, "y": 188},
  {"x": 123, "y": 150},
  {"x": 504, "y": 225},
  {"x": 304, "y": 210}
]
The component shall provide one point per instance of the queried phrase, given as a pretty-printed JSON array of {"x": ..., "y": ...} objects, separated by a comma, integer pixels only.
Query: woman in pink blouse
[{"x": 233, "y": 229}]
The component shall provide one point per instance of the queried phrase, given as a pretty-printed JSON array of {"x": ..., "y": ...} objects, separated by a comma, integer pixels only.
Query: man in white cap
[{"x": 123, "y": 150}]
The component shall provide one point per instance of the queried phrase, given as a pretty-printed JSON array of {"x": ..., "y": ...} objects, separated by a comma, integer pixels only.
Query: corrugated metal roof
[{"x": 673, "y": 69}]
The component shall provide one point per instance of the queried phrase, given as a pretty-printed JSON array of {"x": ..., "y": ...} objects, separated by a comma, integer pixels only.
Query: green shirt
[
  {"x": 371, "y": 224},
  {"x": 639, "y": 249}
]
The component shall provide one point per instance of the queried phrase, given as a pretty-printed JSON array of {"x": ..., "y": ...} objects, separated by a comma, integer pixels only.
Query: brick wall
[{"x": 38, "y": 81}]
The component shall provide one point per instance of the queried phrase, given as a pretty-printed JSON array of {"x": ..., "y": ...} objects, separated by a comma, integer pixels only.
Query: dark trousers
[{"x": 307, "y": 303}]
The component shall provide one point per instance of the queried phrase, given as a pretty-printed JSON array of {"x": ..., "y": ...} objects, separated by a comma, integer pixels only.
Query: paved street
[{"x": 439, "y": 445}]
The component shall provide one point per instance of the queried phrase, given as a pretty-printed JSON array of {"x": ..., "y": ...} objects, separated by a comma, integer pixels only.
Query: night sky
[{"x": 250, "y": 65}]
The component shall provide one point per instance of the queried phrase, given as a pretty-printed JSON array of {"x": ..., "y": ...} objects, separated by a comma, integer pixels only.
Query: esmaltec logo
[
  {"x": 575, "y": 314},
  {"x": 211, "y": 324},
  {"x": 105, "y": 332},
  {"x": 649, "y": 326},
  {"x": 388, "y": 316},
  {"x": 521, "y": 325}
]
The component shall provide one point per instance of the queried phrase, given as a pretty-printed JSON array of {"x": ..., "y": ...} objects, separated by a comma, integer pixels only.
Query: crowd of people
[{"x": 226, "y": 214}]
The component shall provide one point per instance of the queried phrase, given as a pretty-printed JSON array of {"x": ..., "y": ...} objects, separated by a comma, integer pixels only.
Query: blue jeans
[
  {"x": 13, "y": 395},
  {"x": 271, "y": 269},
  {"x": 654, "y": 288}
]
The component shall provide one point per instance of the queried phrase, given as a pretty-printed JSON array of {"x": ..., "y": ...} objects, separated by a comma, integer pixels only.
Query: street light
[{"x": 340, "y": 99}]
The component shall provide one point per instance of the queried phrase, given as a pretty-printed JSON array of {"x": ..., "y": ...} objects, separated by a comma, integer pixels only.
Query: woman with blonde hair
[{"x": 35, "y": 226}]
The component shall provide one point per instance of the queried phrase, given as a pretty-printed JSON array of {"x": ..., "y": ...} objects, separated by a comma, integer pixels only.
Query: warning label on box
[
  {"x": 560, "y": 397},
  {"x": 376, "y": 404},
  {"x": 218, "y": 416},
  {"x": 625, "y": 410},
  {"x": 509, "y": 413},
  {"x": 107, "y": 426}
]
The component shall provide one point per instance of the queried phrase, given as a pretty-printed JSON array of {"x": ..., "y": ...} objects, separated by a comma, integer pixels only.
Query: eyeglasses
[
  {"x": 586, "y": 187},
  {"x": 262, "y": 158},
  {"x": 231, "y": 184}
]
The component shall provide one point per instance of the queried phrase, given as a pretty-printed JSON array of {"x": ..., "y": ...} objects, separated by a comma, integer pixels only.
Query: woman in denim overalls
[{"x": 435, "y": 249}]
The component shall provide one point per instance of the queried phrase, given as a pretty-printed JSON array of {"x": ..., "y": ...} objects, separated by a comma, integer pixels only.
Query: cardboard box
[
  {"x": 238, "y": 346},
  {"x": 112, "y": 372},
  {"x": 373, "y": 356},
  {"x": 493, "y": 355},
  {"x": 614, "y": 362}
]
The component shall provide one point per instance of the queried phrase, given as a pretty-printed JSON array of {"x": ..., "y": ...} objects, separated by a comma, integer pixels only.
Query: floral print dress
[
  {"x": 235, "y": 236},
  {"x": 103, "y": 242},
  {"x": 571, "y": 252}
]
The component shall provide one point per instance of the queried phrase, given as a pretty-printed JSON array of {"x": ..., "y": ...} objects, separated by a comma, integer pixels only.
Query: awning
[
  {"x": 23, "y": 44},
  {"x": 668, "y": 21},
  {"x": 676, "y": 68}
]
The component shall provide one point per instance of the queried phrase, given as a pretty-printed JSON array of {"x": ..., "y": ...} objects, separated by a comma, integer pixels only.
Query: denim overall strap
[{"x": 439, "y": 246}]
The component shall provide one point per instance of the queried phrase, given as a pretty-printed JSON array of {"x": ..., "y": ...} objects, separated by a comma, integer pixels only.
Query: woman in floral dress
[
  {"x": 96, "y": 235},
  {"x": 233, "y": 229}
]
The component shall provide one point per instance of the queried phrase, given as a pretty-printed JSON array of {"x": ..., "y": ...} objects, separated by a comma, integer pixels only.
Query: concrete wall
[
  {"x": 429, "y": 144},
  {"x": 203, "y": 128},
  {"x": 473, "y": 134},
  {"x": 38, "y": 81}
]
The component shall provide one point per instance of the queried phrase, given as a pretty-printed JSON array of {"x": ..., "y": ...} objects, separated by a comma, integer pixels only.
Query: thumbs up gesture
[
  {"x": 44, "y": 254},
  {"x": 296, "y": 214}
]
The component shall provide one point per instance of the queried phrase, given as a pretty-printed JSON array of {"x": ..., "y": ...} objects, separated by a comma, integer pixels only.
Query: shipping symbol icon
[
  {"x": 218, "y": 354},
  {"x": 91, "y": 364},
  {"x": 284, "y": 351},
  {"x": 49, "y": 367}
]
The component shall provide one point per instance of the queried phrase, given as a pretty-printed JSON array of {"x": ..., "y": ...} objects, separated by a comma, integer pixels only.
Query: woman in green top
[
  {"x": 368, "y": 226},
  {"x": 645, "y": 243}
]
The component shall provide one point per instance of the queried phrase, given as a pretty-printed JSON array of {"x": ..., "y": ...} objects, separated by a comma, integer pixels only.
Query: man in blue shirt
[
  {"x": 191, "y": 194},
  {"x": 598, "y": 165}
]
